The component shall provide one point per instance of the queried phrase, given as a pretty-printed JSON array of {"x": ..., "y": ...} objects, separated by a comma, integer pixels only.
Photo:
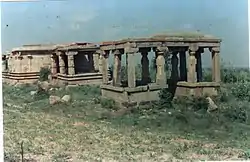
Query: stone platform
[
  {"x": 24, "y": 78},
  {"x": 197, "y": 89},
  {"x": 80, "y": 79},
  {"x": 136, "y": 96}
]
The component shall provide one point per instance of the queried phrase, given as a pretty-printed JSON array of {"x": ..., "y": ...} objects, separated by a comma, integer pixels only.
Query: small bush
[
  {"x": 44, "y": 74},
  {"x": 109, "y": 104},
  {"x": 241, "y": 90}
]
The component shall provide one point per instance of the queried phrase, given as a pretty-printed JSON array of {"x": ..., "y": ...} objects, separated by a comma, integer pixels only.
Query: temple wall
[{"x": 26, "y": 65}]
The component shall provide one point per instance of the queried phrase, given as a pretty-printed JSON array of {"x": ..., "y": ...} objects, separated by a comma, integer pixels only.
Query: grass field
[{"x": 78, "y": 131}]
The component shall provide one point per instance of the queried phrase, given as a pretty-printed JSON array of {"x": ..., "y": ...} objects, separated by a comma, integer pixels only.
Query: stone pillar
[
  {"x": 100, "y": 63},
  {"x": 117, "y": 68},
  {"x": 130, "y": 52},
  {"x": 53, "y": 65},
  {"x": 91, "y": 62},
  {"x": 160, "y": 63},
  {"x": 71, "y": 63},
  {"x": 61, "y": 63},
  {"x": 183, "y": 65},
  {"x": 105, "y": 67},
  {"x": 199, "y": 65},
  {"x": 174, "y": 71},
  {"x": 145, "y": 65},
  {"x": 192, "y": 64},
  {"x": 216, "y": 64},
  {"x": 96, "y": 61}
]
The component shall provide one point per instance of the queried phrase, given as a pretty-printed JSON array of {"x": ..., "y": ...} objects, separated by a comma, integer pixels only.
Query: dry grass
[{"x": 74, "y": 132}]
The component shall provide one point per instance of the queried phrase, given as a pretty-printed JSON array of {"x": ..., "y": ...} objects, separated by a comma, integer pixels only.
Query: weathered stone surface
[
  {"x": 66, "y": 98},
  {"x": 44, "y": 85},
  {"x": 212, "y": 106},
  {"x": 32, "y": 93},
  {"x": 54, "y": 100}
]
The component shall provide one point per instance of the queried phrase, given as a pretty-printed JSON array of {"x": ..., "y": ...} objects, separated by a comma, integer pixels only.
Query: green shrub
[
  {"x": 109, "y": 104},
  {"x": 241, "y": 90},
  {"x": 44, "y": 73}
]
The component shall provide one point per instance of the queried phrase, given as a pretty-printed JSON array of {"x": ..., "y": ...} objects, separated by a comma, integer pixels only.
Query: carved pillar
[
  {"x": 192, "y": 64},
  {"x": 216, "y": 64},
  {"x": 130, "y": 52},
  {"x": 91, "y": 62},
  {"x": 71, "y": 63},
  {"x": 105, "y": 67},
  {"x": 61, "y": 63},
  {"x": 53, "y": 65},
  {"x": 199, "y": 65},
  {"x": 117, "y": 68},
  {"x": 96, "y": 60},
  {"x": 145, "y": 65},
  {"x": 183, "y": 65},
  {"x": 100, "y": 63},
  {"x": 174, "y": 63},
  {"x": 160, "y": 63}
]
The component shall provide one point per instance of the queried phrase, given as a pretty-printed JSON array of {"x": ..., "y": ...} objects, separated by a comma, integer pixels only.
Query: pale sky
[{"x": 99, "y": 20}]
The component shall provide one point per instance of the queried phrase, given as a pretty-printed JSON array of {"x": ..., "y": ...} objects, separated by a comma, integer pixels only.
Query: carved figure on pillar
[
  {"x": 192, "y": 64},
  {"x": 160, "y": 63},
  {"x": 117, "y": 68},
  {"x": 145, "y": 65},
  {"x": 216, "y": 76},
  {"x": 130, "y": 52}
]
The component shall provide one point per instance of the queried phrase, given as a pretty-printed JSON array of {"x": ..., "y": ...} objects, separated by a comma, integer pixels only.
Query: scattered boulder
[
  {"x": 43, "y": 85},
  {"x": 211, "y": 105},
  {"x": 66, "y": 98},
  {"x": 32, "y": 93},
  {"x": 54, "y": 100}
]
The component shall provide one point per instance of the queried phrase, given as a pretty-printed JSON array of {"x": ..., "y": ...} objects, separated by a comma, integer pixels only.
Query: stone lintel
[{"x": 71, "y": 53}]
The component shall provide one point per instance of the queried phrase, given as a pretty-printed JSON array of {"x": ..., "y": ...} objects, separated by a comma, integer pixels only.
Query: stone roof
[{"x": 171, "y": 37}]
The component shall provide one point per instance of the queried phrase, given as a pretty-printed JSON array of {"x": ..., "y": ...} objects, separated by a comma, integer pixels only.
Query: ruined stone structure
[
  {"x": 186, "y": 74},
  {"x": 76, "y": 63},
  {"x": 23, "y": 64}
]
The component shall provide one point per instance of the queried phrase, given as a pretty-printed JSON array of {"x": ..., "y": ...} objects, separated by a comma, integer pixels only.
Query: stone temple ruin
[
  {"x": 87, "y": 63},
  {"x": 76, "y": 63},
  {"x": 187, "y": 82}
]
